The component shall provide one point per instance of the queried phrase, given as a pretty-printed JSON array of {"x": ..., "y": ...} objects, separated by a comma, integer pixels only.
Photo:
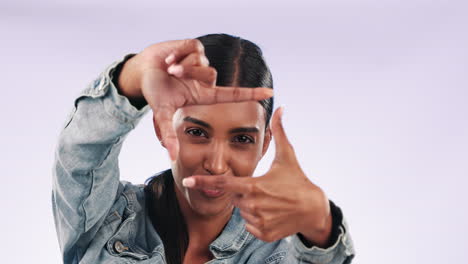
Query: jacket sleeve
[
  {"x": 85, "y": 170},
  {"x": 341, "y": 250}
]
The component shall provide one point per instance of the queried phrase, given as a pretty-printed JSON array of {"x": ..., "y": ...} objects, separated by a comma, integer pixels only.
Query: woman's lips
[{"x": 212, "y": 193}]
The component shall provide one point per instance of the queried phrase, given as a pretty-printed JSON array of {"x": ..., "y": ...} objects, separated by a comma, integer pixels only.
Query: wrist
[
  {"x": 127, "y": 78},
  {"x": 318, "y": 220},
  {"x": 319, "y": 236}
]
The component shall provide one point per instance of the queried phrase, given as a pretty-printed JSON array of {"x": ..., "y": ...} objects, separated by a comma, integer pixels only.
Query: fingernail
[
  {"x": 281, "y": 111},
  {"x": 175, "y": 70},
  {"x": 188, "y": 182},
  {"x": 205, "y": 61},
  {"x": 171, "y": 69},
  {"x": 169, "y": 59}
]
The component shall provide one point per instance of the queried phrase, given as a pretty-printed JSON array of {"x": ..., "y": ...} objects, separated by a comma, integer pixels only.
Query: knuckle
[
  {"x": 261, "y": 224},
  {"x": 198, "y": 45},
  {"x": 188, "y": 42},
  {"x": 212, "y": 73},
  {"x": 250, "y": 188},
  {"x": 252, "y": 207},
  {"x": 253, "y": 188}
]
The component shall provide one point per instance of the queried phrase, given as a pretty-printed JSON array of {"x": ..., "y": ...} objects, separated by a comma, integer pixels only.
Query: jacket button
[{"x": 119, "y": 247}]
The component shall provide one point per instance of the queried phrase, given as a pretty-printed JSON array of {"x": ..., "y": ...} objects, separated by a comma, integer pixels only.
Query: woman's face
[{"x": 222, "y": 139}]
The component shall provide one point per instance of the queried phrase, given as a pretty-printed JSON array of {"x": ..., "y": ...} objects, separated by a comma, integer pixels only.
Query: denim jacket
[{"x": 101, "y": 219}]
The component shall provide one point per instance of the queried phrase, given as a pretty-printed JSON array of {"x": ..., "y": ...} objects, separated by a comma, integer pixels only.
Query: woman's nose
[{"x": 217, "y": 159}]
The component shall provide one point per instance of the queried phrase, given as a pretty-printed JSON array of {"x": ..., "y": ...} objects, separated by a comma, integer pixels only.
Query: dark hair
[{"x": 238, "y": 62}]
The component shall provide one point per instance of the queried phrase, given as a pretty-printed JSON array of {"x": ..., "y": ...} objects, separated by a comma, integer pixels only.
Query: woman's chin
[{"x": 209, "y": 209}]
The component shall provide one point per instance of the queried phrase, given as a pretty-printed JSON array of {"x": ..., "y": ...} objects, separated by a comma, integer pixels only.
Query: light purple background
[{"x": 375, "y": 96}]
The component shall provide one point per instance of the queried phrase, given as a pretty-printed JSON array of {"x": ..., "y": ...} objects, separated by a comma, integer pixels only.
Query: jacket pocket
[{"x": 121, "y": 243}]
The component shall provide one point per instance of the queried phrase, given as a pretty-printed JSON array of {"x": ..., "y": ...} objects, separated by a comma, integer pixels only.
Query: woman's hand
[
  {"x": 174, "y": 74},
  {"x": 280, "y": 203}
]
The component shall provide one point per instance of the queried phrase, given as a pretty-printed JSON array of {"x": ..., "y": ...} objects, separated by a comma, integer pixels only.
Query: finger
[
  {"x": 241, "y": 185},
  {"x": 264, "y": 235},
  {"x": 163, "y": 117},
  {"x": 236, "y": 199},
  {"x": 248, "y": 206},
  {"x": 195, "y": 59},
  {"x": 252, "y": 220},
  {"x": 184, "y": 47},
  {"x": 207, "y": 75},
  {"x": 253, "y": 230},
  {"x": 284, "y": 149},
  {"x": 227, "y": 94}
]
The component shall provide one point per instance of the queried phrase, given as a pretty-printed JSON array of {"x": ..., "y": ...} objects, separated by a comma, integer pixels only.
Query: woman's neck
[{"x": 202, "y": 230}]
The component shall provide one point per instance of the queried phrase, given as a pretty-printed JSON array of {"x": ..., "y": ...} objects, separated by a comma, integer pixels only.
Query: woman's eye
[
  {"x": 243, "y": 139},
  {"x": 196, "y": 132}
]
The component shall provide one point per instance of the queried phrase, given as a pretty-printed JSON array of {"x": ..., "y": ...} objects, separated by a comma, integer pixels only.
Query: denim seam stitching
[{"x": 86, "y": 228}]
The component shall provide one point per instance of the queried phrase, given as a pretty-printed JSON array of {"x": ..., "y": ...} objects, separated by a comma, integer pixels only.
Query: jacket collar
[{"x": 233, "y": 237}]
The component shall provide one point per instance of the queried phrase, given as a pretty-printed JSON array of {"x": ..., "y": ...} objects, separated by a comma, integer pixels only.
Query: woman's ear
[
  {"x": 158, "y": 132},
  {"x": 266, "y": 141}
]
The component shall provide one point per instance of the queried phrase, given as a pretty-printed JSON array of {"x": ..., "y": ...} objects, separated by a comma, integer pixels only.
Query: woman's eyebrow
[
  {"x": 232, "y": 131},
  {"x": 197, "y": 121},
  {"x": 244, "y": 130}
]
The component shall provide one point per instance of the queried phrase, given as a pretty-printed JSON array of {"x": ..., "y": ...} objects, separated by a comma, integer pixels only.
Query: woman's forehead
[{"x": 225, "y": 115}]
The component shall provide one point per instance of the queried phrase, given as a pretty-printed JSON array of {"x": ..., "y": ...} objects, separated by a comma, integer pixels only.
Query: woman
[{"x": 211, "y": 99}]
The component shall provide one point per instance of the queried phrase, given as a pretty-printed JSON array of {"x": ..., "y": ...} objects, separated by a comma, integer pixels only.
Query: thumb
[{"x": 284, "y": 149}]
